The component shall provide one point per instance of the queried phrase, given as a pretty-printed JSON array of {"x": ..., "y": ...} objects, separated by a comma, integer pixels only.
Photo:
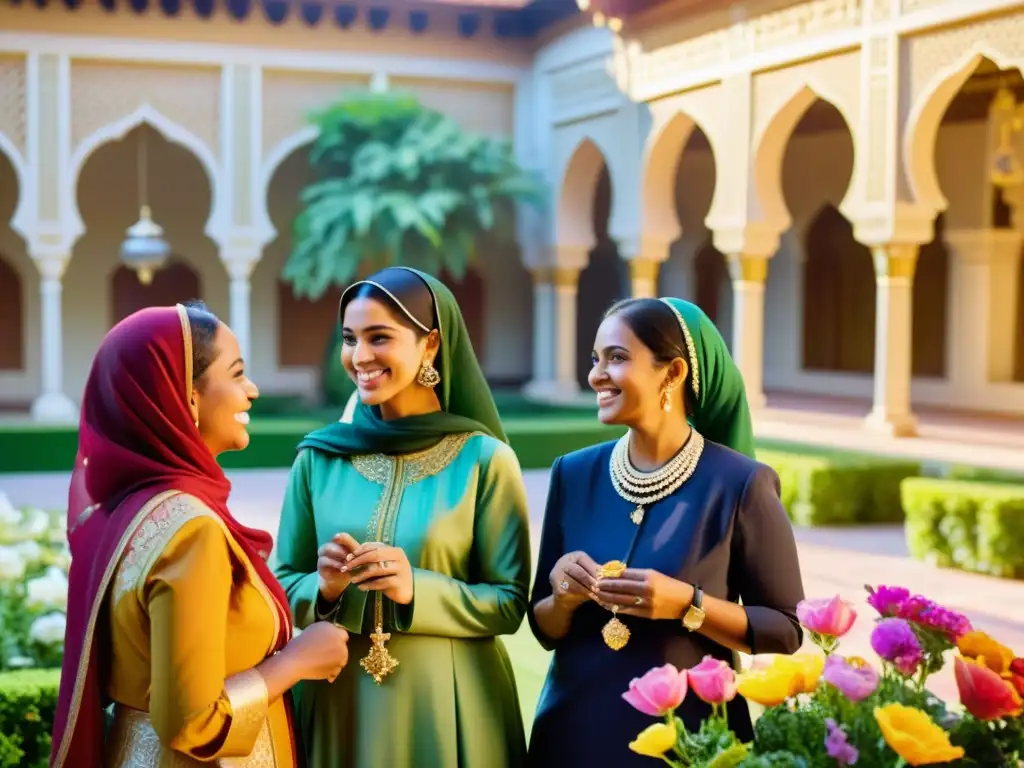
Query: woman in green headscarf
[
  {"x": 650, "y": 542},
  {"x": 407, "y": 525}
]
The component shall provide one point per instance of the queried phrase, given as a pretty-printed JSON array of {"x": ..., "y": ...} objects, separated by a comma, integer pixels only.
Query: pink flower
[
  {"x": 658, "y": 692},
  {"x": 853, "y": 677},
  {"x": 832, "y": 617},
  {"x": 713, "y": 681}
]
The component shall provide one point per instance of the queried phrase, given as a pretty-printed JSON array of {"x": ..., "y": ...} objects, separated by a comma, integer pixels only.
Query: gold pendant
[
  {"x": 379, "y": 663},
  {"x": 615, "y": 633},
  {"x": 637, "y": 515},
  {"x": 613, "y": 569}
]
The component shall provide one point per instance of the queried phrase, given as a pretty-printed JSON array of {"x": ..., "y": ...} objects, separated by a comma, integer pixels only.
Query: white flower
[
  {"x": 49, "y": 591},
  {"x": 48, "y": 629},
  {"x": 12, "y": 566},
  {"x": 8, "y": 514},
  {"x": 30, "y": 552},
  {"x": 36, "y": 523},
  {"x": 20, "y": 662}
]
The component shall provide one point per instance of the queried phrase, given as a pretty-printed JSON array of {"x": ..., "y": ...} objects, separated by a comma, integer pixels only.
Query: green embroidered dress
[{"x": 458, "y": 509}]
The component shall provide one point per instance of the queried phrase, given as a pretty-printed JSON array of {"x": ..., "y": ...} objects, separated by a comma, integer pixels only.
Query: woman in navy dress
[{"x": 697, "y": 522}]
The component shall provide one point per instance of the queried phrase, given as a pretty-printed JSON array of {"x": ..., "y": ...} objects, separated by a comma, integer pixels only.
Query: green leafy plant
[{"x": 398, "y": 183}]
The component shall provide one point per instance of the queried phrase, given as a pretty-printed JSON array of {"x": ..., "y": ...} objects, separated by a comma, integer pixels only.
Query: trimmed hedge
[
  {"x": 28, "y": 701},
  {"x": 968, "y": 525},
  {"x": 840, "y": 489}
]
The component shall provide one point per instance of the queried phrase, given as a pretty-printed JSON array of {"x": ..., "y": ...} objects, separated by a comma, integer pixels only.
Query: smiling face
[
  {"x": 223, "y": 395},
  {"x": 382, "y": 354},
  {"x": 629, "y": 381}
]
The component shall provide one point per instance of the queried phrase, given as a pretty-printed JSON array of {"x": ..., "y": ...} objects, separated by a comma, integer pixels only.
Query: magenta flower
[
  {"x": 713, "y": 681},
  {"x": 894, "y": 640},
  {"x": 855, "y": 681},
  {"x": 658, "y": 692},
  {"x": 887, "y": 600},
  {"x": 929, "y": 614},
  {"x": 838, "y": 747},
  {"x": 831, "y": 617}
]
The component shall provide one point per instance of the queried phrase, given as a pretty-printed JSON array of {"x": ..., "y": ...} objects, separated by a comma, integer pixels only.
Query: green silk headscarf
[
  {"x": 466, "y": 401},
  {"x": 721, "y": 413}
]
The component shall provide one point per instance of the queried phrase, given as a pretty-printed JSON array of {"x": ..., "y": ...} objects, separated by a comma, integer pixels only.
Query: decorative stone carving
[
  {"x": 801, "y": 21},
  {"x": 581, "y": 89},
  {"x": 12, "y": 101},
  {"x": 104, "y": 92}
]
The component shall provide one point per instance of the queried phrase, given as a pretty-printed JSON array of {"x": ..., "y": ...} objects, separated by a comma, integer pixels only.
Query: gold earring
[
  {"x": 666, "y": 400},
  {"x": 197, "y": 423},
  {"x": 428, "y": 376}
]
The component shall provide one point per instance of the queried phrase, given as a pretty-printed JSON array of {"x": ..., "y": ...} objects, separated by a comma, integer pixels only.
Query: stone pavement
[{"x": 832, "y": 560}]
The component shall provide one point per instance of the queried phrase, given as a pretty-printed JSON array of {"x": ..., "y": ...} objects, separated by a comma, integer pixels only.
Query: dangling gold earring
[
  {"x": 666, "y": 400},
  {"x": 428, "y": 376},
  {"x": 197, "y": 423}
]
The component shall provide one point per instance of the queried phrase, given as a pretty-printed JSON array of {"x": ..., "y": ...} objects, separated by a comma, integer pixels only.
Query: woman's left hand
[
  {"x": 384, "y": 569},
  {"x": 645, "y": 593}
]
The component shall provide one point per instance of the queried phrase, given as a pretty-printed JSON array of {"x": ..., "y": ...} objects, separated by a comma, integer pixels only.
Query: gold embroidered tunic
[
  {"x": 459, "y": 512},
  {"x": 190, "y": 618}
]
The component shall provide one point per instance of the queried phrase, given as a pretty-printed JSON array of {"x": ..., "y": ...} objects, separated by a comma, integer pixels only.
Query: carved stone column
[
  {"x": 749, "y": 274},
  {"x": 52, "y": 404},
  {"x": 543, "y": 326},
  {"x": 240, "y": 264},
  {"x": 894, "y": 276}
]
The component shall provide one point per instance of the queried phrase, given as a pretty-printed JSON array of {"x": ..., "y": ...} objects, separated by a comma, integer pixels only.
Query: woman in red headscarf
[{"x": 176, "y": 627}]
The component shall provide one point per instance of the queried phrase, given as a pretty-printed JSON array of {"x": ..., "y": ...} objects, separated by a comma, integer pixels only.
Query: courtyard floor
[{"x": 832, "y": 561}]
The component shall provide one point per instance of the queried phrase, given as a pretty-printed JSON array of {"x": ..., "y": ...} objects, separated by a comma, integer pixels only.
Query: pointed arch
[
  {"x": 171, "y": 131},
  {"x": 577, "y": 188},
  {"x": 770, "y": 151},
  {"x": 273, "y": 160},
  {"x": 662, "y": 156},
  {"x": 23, "y": 211},
  {"x": 925, "y": 117}
]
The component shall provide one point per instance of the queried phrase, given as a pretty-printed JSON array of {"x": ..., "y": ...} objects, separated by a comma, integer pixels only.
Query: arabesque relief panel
[{"x": 12, "y": 100}]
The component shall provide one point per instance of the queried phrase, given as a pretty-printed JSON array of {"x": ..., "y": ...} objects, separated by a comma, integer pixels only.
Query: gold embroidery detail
[
  {"x": 247, "y": 694},
  {"x": 691, "y": 349},
  {"x": 150, "y": 539},
  {"x": 133, "y": 743},
  {"x": 378, "y": 467}
]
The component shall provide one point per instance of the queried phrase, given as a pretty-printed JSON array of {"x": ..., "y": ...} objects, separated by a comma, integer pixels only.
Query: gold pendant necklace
[
  {"x": 379, "y": 663},
  {"x": 646, "y": 488},
  {"x": 615, "y": 633}
]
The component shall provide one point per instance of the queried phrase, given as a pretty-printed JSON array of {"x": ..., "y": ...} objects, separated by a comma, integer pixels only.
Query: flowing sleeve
[
  {"x": 295, "y": 557},
  {"x": 496, "y": 602},
  {"x": 194, "y": 707},
  {"x": 767, "y": 566},
  {"x": 551, "y": 548}
]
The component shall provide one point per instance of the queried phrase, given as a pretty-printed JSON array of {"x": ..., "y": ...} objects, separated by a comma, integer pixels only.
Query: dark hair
[
  {"x": 203, "y": 325},
  {"x": 656, "y": 325},
  {"x": 405, "y": 286}
]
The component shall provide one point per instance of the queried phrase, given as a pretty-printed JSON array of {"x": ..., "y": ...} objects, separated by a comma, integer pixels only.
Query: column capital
[
  {"x": 51, "y": 264},
  {"x": 240, "y": 257},
  {"x": 902, "y": 223},
  {"x": 646, "y": 247},
  {"x": 983, "y": 246},
  {"x": 748, "y": 268},
  {"x": 565, "y": 277},
  {"x": 570, "y": 256},
  {"x": 895, "y": 261},
  {"x": 644, "y": 269},
  {"x": 759, "y": 239}
]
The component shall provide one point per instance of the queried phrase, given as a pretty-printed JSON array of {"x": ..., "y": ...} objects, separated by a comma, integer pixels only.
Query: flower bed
[
  {"x": 824, "y": 710},
  {"x": 973, "y": 526}
]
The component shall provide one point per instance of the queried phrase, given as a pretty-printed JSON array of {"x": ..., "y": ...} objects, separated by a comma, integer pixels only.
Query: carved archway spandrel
[
  {"x": 835, "y": 79},
  {"x": 937, "y": 56},
  {"x": 104, "y": 92},
  {"x": 289, "y": 97},
  {"x": 12, "y": 101}
]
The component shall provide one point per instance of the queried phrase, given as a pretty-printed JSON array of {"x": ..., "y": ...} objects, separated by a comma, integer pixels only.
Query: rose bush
[
  {"x": 34, "y": 562},
  {"x": 825, "y": 710}
]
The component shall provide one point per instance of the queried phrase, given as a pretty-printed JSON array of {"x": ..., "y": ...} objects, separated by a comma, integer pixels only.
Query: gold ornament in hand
[{"x": 379, "y": 663}]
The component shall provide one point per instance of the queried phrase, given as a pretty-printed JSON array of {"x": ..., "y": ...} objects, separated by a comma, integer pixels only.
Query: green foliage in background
[{"x": 401, "y": 184}]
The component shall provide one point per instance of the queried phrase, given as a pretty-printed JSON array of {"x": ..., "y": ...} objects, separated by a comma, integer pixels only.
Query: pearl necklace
[{"x": 646, "y": 488}]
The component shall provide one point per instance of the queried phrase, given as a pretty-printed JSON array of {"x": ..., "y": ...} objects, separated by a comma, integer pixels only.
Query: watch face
[{"x": 694, "y": 618}]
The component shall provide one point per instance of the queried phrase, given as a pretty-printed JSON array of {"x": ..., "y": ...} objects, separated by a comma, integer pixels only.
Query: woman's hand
[
  {"x": 330, "y": 566},
  {"x": 321, "y": 651},
  {"x": 384, "y": 569},
  {"x": 645, "y": 593},
  {"x": 573, "y": 579}
]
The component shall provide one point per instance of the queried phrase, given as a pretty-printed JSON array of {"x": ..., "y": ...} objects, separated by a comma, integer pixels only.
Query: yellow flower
[
  {"x": 654, "y": 740},
  {"x": 914, "y": 736},
  {"x": 767, "y": 687},
  {"x": 806, "y": 670},
  {"x": 983, "y": 649}
]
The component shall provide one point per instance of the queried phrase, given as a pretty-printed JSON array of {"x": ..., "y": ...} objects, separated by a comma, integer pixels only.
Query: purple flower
[
  {"x": 887, "y": 600},
  {"x": 854, "y": 678},
  {"x": 838, "y": 747},
  {"x": 894, "y": 640},
  {"x": 929, "y": 614}
]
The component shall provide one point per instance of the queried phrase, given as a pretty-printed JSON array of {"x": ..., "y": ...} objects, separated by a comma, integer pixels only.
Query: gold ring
[
  {"x": 639, "y": 601},
  {"x": 564, "y": 585},
  {"x": 385, "y": 563}
]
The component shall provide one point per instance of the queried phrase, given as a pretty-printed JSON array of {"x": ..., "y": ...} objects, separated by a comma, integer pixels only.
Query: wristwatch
[{"x": 693, "y": 619}]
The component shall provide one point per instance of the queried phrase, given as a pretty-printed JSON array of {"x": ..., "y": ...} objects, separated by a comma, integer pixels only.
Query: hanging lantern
[{"x": 145, "y": 249}]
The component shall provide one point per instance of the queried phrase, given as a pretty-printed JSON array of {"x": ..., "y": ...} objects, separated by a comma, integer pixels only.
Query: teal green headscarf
[
  {"x": 721, "y": 412},
  {"x": 466, "y": 401}
]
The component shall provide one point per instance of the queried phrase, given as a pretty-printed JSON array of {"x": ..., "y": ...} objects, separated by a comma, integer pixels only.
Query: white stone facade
[{"x": 727, "y": 147}]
